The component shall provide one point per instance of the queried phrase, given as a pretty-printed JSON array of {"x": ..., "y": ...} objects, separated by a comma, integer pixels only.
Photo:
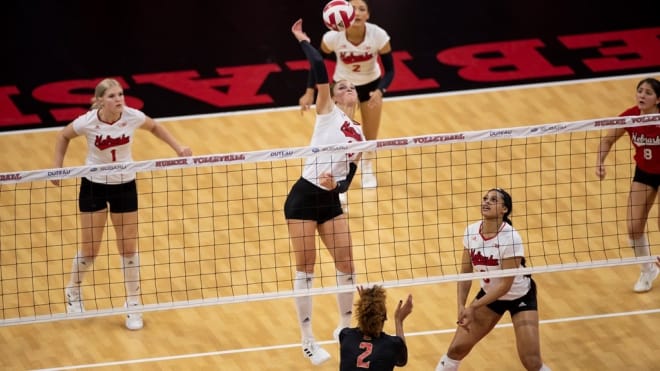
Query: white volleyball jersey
[
  {"x": 108, "y": 143},
  {"x": 357, "y": 63},
  {"x": 487, "y": 255},
  {"x": 331, "y": 128}
]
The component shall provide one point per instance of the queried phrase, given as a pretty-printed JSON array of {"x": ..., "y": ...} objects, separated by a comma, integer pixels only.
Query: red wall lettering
[
  {"x": 635, "y": 49},
  {"x": 241, "y": 84},
  {"x": 9, "y": 113},
  {"x": 512, "y": 60}
]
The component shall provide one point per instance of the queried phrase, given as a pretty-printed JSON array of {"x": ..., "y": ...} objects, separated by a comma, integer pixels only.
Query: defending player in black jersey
[{"x": 367, "y": 347}]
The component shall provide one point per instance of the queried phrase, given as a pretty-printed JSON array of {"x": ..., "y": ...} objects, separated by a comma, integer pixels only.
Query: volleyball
[{"x": 338, "y": 15}]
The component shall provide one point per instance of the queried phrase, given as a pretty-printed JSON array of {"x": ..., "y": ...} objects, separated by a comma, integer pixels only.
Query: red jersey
[{"x": 646, "y": 140}]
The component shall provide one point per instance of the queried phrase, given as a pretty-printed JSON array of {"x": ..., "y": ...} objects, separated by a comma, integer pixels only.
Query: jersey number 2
[{"x": 368, "y": 348}]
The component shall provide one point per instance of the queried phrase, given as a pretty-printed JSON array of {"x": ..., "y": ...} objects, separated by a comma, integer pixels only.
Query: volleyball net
[{"x": 212, "y": 227}]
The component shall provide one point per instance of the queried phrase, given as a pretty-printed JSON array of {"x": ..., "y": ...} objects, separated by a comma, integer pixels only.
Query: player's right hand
[{"x": 600, "y": 171}]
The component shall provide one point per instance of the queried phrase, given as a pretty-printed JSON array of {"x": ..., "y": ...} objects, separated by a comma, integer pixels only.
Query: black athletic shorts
[
  {"x": 364, "y": 90},
  {"x": 523, "y": 303},
  {"x": 306, "y": 201},
  {"x": 651, "y": 180},
  {"x": 122, "y": 198}
]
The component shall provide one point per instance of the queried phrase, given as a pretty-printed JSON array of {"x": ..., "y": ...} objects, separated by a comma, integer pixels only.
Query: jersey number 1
[{"x": 113, "y": 152}]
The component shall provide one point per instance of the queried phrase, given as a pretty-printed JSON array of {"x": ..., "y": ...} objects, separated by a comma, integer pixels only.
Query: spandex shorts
[
  {"x": 525, "y": 302},
  {"x": 651, "y": 180},
  {"x": 306, "y": 201},
  {"x": 122, "y": 198}
]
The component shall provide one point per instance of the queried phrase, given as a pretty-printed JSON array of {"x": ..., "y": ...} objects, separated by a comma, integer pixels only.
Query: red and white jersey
[
  {"x": 487, "y": 255},
  {"x": 646, "y": 140},
  {"x": 331, "y": 128},
  {"x": 109, "y": 142},
  {"x": 357, "y": 63}
]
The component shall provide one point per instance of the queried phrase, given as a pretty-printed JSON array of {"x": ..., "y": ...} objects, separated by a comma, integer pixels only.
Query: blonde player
[
  {"x": 313, "y": 202},
  {"x": 109, "y": 129},
  {"x": 357, "y": 50},
  {"x": 645, "y": 183},
  {"x": 494, "y": 244}
]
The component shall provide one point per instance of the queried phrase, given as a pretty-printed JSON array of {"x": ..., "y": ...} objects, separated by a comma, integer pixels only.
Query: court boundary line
[
  {"x": 397, "y": 98},
  {"x": 295, "y": 345}
]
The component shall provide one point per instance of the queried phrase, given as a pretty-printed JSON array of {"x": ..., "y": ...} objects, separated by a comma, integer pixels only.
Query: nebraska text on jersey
[
  {"x": 643, "y": 140},
  {"x": 109, "y": 141}
]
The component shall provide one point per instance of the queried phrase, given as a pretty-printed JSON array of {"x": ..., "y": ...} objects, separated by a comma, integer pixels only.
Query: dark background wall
[{"x": 196, "y": 57}]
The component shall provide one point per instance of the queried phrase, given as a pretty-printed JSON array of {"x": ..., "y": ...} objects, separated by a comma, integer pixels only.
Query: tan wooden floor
[{"x": 592, "y": 319}]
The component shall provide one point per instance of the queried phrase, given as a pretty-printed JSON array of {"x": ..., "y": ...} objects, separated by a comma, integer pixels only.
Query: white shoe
[
  {"x": 645, "y": 281},
  {"x": 133, "y": 320},
  {"x": 314, "y": 352},
  {"x": 74, "y": 302}
]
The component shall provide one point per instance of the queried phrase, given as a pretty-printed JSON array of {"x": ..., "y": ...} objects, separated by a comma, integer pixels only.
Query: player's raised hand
[{"x": 298, "y": 32}]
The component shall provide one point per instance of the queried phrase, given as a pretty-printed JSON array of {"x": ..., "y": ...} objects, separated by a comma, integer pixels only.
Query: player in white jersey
[
  {"x": 109, "y": 128},
  {"x": 313, "y": 202},
  {"x": 489, "y": 245},
  {"x": 357, "y": 50}
]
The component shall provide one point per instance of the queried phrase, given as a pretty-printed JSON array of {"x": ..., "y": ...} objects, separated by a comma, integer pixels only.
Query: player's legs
[
  {"x": 371, "y": 119},
  {"x": 92, "y": 226},
  {"x": 125, "y": 225},
  {"x": 370, "y": 125},
  {"x": 640, "y": 202},
  {"x": 335, "y": 235},
  {"x": 302, "y": 234},
  {"x": 526, "y": 328},
  {"x": 465, "y": 339},
  {"x": 126, "y": 229}
]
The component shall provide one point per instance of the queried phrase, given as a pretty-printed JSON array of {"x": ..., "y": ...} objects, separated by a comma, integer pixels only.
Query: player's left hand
[{"x": 403, "y": 309}]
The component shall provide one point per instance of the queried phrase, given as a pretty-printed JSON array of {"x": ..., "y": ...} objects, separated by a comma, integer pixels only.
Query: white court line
[
  {"x": 397, "y": 98},
  {"x": 285, "y": 346}
]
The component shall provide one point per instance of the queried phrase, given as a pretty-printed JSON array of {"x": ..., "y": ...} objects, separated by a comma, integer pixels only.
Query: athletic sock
[
  {"x": 447, "y": 364},
  {"x": 79, "y": 268},
  {"x": 345, "y": 299},
  {"x": 642, "y": 248},
  {"x": 304, "y": 281},
  {"x": 131, "y": 267}
]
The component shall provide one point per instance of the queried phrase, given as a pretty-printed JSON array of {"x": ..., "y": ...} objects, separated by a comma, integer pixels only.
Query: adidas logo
[{"x": 522, "y": 304}]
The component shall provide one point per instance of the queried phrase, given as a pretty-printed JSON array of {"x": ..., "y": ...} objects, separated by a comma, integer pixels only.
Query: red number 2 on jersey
[{"x": 368, "y": 348}]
